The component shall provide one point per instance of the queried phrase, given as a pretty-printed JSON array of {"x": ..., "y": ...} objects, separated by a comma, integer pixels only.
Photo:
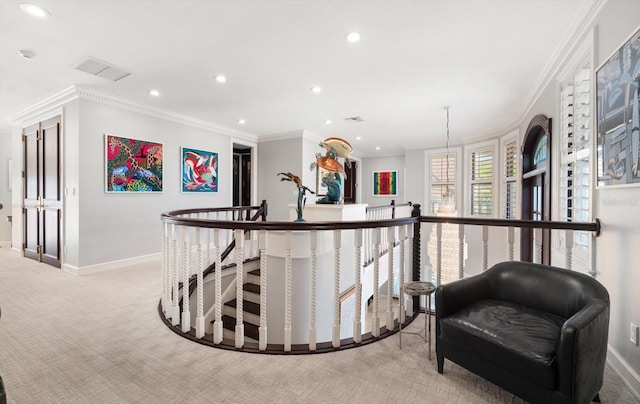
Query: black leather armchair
[{"x": 537, "y": 331}]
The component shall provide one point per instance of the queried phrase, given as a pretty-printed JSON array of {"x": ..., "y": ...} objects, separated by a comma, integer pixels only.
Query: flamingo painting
[{"x": 199, "y": 170}]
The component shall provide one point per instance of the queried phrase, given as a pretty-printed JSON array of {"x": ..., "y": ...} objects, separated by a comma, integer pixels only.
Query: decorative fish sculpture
[{"x": 338, "y": 147}]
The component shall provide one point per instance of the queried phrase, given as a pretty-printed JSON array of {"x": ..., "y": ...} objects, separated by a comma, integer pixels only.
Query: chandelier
[{"x": 450, "y": 268}]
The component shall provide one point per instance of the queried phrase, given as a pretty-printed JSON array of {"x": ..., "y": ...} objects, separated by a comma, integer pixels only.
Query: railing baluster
[
  {"x": 239, "y": 291},
  {"x": 510, "y": 240},
  {"x": 460, "y": 251},
  {"x": 263, "y": 291},
  {"x": 186, "y": 271},
  {"x": 357, "y": 322},
  {"x": 568, "y": 236},
  {"x": 200, "y": 287},
  {"x": 391, "y": 244},
  {"x": 538, "y": 242},
  {"x": 401, "y": 276},
  {"x": 375, "y": 320},
  {"x": 287, "y": 292},
  {"x": 439, "y": 254},
  {"x": 175, "y": 315},
  {"x": 166, "y": 290},
  {"x": 337, "y": 245},
  {"x": 485, "y": 248},
  {"x": 218, "y": 332},
  {"x": 313, "y": 240}
]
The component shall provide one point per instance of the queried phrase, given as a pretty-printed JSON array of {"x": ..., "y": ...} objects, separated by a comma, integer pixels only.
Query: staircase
[{"x": 251, "y": 310}]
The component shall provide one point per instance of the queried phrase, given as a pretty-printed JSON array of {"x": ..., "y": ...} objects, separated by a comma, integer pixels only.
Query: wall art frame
[
  {"x": 618, "y": 115},
  {"x": 199, "y": 172},
  {"x": 133, "y": 165},
  {"x": 385, "y": 183}
]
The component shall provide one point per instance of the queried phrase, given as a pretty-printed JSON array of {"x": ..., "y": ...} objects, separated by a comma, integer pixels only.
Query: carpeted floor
[{"x": 98, "y": 339}]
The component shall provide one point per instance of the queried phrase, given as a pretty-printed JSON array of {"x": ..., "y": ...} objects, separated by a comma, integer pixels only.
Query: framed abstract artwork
[
  {"x": 132, "y": 165},
  {"x": 385, "y": 183},
  {"x": 199, "y": 170},
  {"x": 618, "y": 115}
]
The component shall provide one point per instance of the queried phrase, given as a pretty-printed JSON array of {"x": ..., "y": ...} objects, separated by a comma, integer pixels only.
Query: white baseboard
[
  {"x": 629, "y": 376},
  {"x": 106, "y": 266}
]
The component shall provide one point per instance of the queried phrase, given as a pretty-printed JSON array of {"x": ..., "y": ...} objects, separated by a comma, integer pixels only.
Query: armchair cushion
[{"x": 517, "y": 338}]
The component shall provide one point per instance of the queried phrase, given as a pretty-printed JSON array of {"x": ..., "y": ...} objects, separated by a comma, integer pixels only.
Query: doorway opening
[
  {"x": 242, "y": 156},
  {"x": 536, "y": 186}
]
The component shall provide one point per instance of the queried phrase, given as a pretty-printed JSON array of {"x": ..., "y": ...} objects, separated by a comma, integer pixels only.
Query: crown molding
[
  {"x": 560, "y": 55},
  {"x": 42, "y": 107},
  {"x": 75, "y": 91}
]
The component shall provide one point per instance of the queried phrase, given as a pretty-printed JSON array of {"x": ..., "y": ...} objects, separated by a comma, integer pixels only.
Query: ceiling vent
[
  {"x": 354, "y": 119},
  {"x": 101, "y": 69}
]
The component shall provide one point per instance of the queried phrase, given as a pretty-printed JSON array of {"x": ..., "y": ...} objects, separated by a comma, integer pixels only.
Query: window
[
  {"x": 575, "y": 154},
  {"x": 438, "y": 179},
  {"x": 482, "y": 183},
  {"x": 509, "y": 177},
  {"x": 441, "y": 179},
  {"x": 480, "y": 179}
]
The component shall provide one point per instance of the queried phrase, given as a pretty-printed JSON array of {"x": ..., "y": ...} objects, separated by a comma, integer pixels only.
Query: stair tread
[
  {"x": 250, "y": 330},
  {"x": 251, "y": 287},
  {"x": 255, "y": 272},
  {"x": 248, "y": 306}
]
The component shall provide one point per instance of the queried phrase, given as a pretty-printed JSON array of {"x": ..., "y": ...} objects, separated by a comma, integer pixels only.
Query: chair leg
[
  {"x": 440, "y": 359},
  {"x": 596, "y": 398}
]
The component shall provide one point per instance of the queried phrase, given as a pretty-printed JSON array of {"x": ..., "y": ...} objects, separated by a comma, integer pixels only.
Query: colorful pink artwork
[
  {"x": 199, "y": 170},
  {"x": 133, "y": 165}
]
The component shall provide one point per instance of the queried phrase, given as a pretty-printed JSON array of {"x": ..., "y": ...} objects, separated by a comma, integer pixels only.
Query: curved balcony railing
[{"x": 301, "y": 287}]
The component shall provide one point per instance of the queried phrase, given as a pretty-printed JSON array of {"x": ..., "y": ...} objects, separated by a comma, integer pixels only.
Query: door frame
[{"x": 539, "y": 127}]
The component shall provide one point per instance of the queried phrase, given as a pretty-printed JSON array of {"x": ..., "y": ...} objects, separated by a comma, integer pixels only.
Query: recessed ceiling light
[
  {"x": 359, "y": 137},
  {"x": 221, "y": 79},
  {"x": 327, "y": 122},
  {"x": 34, "y": 10},
  {"x": 27, "y": 54},
  {"x": 155, "y": 93},
  {"x": 241, "y": 121},
  {"x": 353, "y": 36},
  {"x": 316, "y": 89},
  {"x": 378, "y": 148}
]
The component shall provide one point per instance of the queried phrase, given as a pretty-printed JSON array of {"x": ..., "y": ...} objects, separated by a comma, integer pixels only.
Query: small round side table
[{"x": 418, "y": 288}]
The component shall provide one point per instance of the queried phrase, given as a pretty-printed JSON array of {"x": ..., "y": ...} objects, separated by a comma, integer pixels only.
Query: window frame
[
  {"x": 490, "y": 145},
  {"x": 455, "y": 152}
]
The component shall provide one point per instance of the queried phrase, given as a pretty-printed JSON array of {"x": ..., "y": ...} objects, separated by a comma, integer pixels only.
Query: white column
[
  {"x": 375, "y": 318},
  {"x": 357, "y": 322},
  {"x": 391, "y": 232},
  {"x": 313, "y": 240},
  {"x": 287, "y": 292},
  {"x": 200, "y": 330},
  {"x": 239, "y": 234},
  {"x": 337, "y": 244},
  {"x": 186, "y": 272},
  {"x": 262, "y": 342},
  {"x": 217, "y": 279}
]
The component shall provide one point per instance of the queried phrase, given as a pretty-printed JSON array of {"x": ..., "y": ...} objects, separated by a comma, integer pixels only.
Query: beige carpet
[{"x": 98, "y": 339}]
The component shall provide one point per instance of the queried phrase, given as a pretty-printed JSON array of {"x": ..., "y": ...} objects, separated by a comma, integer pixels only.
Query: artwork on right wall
[
  {"x": 618, "y": 115},
  {"x": 199, "y": 170}
]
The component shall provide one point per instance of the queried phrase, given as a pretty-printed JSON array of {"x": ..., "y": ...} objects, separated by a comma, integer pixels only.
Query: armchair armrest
[
  {"x": 457, "y": 295},
  {"x": 582, "y": 351}
]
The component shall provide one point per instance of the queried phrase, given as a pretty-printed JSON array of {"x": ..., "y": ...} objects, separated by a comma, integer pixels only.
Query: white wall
[
  {"x": 279, "y": 156},
  {"x": 115, "y": 226},
  {"x": 5, "y": 194},
  {"x": 371, "y": 164}
]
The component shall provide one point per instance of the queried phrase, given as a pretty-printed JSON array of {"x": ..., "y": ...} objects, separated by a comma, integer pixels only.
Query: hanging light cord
[{"x": 447, "y": 172}]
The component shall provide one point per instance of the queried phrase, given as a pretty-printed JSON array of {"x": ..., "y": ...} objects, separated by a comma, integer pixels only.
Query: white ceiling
[{"x": 484, "y": 58}]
